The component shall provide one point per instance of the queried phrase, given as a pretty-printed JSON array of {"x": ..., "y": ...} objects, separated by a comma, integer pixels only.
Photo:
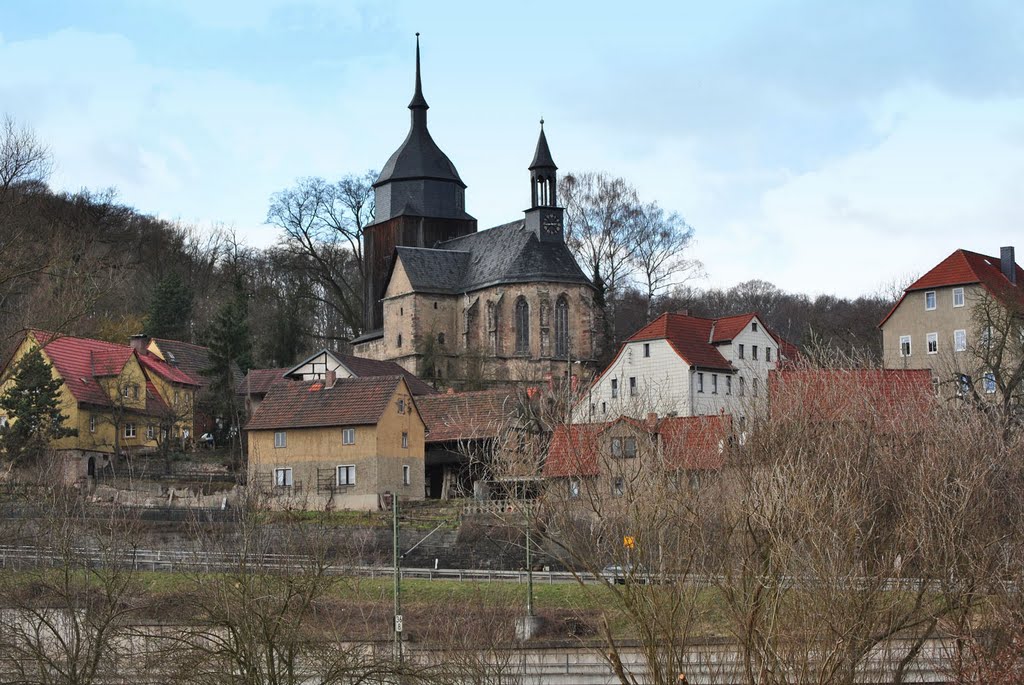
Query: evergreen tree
[
  {"x": 230, "y": 343},
  {"x": 170, "y": 309},
  {"x": 32, "y": 406}
]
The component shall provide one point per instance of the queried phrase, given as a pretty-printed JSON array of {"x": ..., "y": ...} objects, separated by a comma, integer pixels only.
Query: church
[{"x": 467, "y": 307}]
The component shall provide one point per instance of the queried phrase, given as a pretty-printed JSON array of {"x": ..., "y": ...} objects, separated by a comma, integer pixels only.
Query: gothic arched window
[
  {"x": 493, "y": 337},
  {"x": 522, "y": 326},
  {"x": 562, "y": 327}
]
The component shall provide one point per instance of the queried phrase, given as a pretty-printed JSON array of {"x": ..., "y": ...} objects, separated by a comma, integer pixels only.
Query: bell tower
[{"x": 544, "y": 217}]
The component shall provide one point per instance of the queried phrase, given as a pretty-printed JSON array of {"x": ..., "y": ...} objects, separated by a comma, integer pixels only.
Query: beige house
[
  {"x": 337, "y": 443},
  {"x": 937, "y": 323}
]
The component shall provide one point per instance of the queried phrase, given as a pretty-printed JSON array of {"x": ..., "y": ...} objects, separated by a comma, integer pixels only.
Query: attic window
[{"x": 753, "y": 327}]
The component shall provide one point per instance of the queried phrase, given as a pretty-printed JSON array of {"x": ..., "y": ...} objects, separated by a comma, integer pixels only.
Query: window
[
  {"x": 522, "y": 326},
  {"x": 929, "y": 300},
  {"x": 632, "y": 386},
  {"x": 129, "y": 430},
  {"x": 604, "y": 407},
  {"x": 904, "y": 345},
  {"x": 401, "y": 406},
  {"x": 990, "y": 383},
  {"x": 629, "y": 447},
  {"x": 964, "y": 386},
  {"x": 440, "y": 338},
  {"x": 933, "y": 343},
  {"x": 743, "y": 386},
  {"x": 767, "y": 354},
  {"x": 647, "y": 349},
  {"x": 348, "y": 436},
  {"x": 714, "y": 384},
  {"x": 405, "y": 440},
  {"x": 753, "y": 327},
  {"x": 435, "y": 305},
  {"x": 986, "y": 336},
  {"x": 492, "y": 328},
  {"x": 177, "y": 399},
  {"x": 280, "y": 439},
  {"x": 616, "y": 447},
  {"x": 935, "y": 385},
  {"x": 150, "y": 432},
  {"x": 283, "y": 478},
  {"x": 615, "y": 388},
  {"x": 700, "y": 382},
  {"x": 741, "y": 351},
  {"x": 958, "y": 297},
  {"x": 754, "y": 387},
  {"x": 347, "y": 475},
  {"x": 562, "y": 327},
  {"x": 959, "y": 340},
  {"x": 753, "y": 352},
  {"x": 398, "y": 341},
  {"x": 92, "y": 423},
  {"x": 728, "y": 385},
  {"x": 574, "y": 488},
  {"x": 406, "y": 477},
  {"x": 619, "y": 487}
]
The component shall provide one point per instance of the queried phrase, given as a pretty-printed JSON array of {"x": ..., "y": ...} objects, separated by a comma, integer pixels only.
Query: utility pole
[
  {"x": 398, "y": 579},
  {"x": 529, "y": 566}
]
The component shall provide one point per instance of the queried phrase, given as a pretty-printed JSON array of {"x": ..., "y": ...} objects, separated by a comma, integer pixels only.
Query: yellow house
[
  {"x": 117, "y": 400},
  {"x": 337, "y": 443}
]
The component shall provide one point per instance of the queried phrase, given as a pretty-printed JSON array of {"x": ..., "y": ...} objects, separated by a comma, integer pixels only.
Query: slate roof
[
  {"x": 687, "y": 442},
  {"x": 465, "y": 415},
  {"x": 192, "y": 359},
  {"x": 964, "y": 267},
  {"x": 504, "y": 254},
  {"x": 258, "y": 381},
  {"x": 309, "y": 404}
]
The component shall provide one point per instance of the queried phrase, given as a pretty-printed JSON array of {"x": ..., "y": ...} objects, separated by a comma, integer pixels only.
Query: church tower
[
  {"x": 544, "y": 217},
  {"x": 420, "y": 200}
]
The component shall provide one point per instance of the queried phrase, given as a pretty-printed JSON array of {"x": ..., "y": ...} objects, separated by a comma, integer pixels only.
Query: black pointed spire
[
  {"x": 542, "y": 157},
  {"x": 418, "y": 101}
]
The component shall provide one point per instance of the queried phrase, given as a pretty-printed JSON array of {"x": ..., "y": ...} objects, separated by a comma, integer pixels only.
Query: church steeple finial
[
  {"x": 418, "y": 101},
  {"x": 543, "y": 174}
]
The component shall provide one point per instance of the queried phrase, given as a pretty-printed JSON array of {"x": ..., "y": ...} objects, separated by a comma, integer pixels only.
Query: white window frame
[
  {"x": 989, "y": 383},
  {"x": 350, "y": 474},
  {"x": 401, "y": 406},
  {"x": 150, "y": 432},
  {"x": 960, "y": 340},
  {"x": 283, "y": 477},
  {"x": 934, "y": 301},
  {"x": 405, "y": 440},
  {"x": 910, "y": 350},
  {"x": 406, "y": 474},
  {"x": 932, "y": 340},
  {"x": 280, "y": 439},
  {"x": 958, "y": 294},
  {"x": 129, "y": 430},
  {"x": 348, "y": 436}
]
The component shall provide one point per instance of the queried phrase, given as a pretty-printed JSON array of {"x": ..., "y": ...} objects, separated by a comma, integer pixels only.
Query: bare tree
[
  {"x": 323, "y": 224},
  {"x": 661, "y": 241}
]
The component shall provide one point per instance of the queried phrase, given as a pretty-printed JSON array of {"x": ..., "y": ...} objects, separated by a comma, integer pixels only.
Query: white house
[{"x": 681, "y": 365}]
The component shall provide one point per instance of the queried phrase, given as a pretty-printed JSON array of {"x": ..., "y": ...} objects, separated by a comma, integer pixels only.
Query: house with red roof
[
  {"x": 339, "y": 443},
  {"x": 118, "y": 399},
  {"x": 682, "y": 365},
  {"x": 619, "y": 457},
  {"x": 935, "y": 325}
]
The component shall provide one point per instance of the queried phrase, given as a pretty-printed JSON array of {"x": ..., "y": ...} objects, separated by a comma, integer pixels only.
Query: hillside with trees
[{"x": 89, "y": 264}]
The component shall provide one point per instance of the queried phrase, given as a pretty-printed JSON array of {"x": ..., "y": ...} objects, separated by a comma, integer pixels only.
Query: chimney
[
  {"x": 332, "y": 378},
  {"x": 1007, "y": 263},
  {"x": 140, "y": 341}
]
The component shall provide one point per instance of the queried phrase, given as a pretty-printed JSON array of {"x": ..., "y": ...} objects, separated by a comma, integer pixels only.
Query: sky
[{"x": 826, "y": 147}]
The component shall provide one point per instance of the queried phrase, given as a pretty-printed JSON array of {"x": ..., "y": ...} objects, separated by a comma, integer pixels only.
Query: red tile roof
[
  {"x": 689, "y": 336},
  {"x": 728, "y": 327},
  {"x": 466, "y": 415},
  {"x": 166, "y": 371},
  {"x": 967, "y": 268},
  {"x": 892, "y": 398},
  {"x": 688, "y": 443},
  {"x": 308, "y": 404},
  {"x": 258, "y": 381}
]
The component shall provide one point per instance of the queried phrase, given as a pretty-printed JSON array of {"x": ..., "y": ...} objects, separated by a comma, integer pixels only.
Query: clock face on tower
[{"x": 551, "y": 226}]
